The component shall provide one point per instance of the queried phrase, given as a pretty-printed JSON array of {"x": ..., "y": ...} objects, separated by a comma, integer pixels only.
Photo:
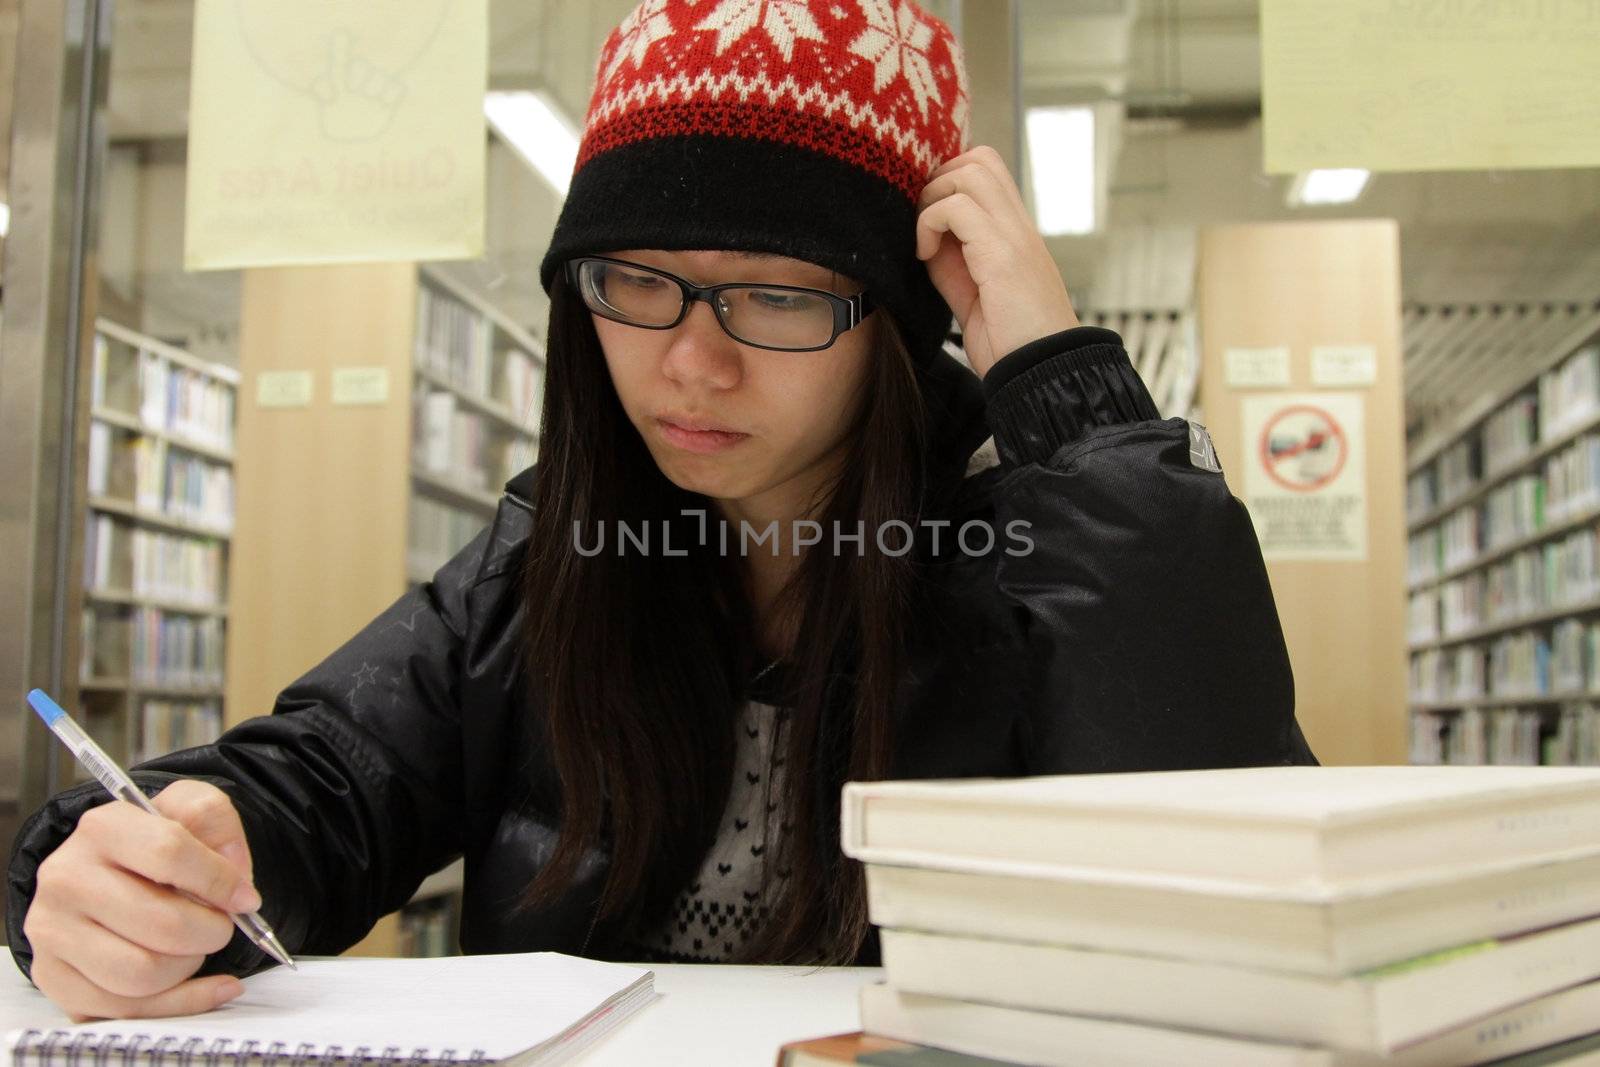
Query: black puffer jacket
[{"x": 1139, "y": 633}]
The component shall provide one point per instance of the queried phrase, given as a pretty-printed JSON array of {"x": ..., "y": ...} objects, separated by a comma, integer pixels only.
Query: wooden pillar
[
  {"x": 1311, "y": 310},
  {"x": 322, "y": 487},
  {"x": 989, "y": 42}
]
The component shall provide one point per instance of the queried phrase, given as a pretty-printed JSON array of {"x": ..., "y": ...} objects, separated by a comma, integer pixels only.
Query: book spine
[{"x": 852, "y": 832}]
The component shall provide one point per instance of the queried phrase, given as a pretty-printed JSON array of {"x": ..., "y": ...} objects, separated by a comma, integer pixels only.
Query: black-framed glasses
[{"x": 785, "y": 318}]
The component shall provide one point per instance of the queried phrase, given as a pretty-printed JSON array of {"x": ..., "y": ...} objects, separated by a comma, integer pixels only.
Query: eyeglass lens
[{"x": 778, "y": 318}]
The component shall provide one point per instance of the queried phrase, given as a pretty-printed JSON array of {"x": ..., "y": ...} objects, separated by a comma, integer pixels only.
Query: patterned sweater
[{"x": 726, "y": 902}]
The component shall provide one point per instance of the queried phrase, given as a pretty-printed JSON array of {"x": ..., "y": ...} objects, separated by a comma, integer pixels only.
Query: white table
[
  {"x": 734, "y": 1015},
  {"x": 706, "y": 1014}
]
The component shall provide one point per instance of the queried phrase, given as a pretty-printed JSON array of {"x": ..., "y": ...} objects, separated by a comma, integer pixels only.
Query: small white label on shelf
[
  {"x": 1341, "y": 365},
  {"x": 284, "y": 389},
  {"x": 1256, "y": 368},
  {"x": 360, "y": 385}
]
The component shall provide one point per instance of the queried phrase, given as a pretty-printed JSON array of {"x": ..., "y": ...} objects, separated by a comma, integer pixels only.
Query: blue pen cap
[{"x": 48, "y": 709}]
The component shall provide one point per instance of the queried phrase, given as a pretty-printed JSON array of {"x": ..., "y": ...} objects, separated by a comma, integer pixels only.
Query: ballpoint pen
[{"x": 116, "y": 780}]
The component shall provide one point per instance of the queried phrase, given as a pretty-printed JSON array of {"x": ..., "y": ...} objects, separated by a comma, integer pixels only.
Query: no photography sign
[
  {"x": 1303, "y": 447},
  {"x": 1305, "y": 484}
]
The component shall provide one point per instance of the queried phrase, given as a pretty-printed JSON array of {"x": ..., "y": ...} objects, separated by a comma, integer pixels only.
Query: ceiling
[{"x": 1185, "y": 72}]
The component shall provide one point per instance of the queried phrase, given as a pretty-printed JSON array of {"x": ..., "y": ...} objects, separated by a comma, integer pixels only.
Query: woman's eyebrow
[
  {"x": 802, "y": 266},
  {"x": 766, "y": 257}
]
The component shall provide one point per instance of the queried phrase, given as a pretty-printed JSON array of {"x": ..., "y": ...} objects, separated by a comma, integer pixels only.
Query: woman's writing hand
[
  {"x": 113, "y": 934},
  {"x": 987, "y": 258}
]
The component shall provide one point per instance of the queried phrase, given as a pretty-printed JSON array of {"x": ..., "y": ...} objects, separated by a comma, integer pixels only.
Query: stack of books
[{"x": 1254, "y": 916}]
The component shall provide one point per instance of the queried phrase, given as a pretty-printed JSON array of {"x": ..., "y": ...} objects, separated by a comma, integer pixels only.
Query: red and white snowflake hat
[{"x": 802, "y": 127}]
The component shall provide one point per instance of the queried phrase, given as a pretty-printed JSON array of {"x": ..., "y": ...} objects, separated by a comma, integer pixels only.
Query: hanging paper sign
[
  {"x": 326, "y": 131},
  {"x": 1407, "y": 85},
  {"x": 1305, "y": 475}
]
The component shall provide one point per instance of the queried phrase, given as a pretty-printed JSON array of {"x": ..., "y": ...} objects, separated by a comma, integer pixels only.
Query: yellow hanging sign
[
  {"x": 336, "y": 131},
  {"x": 1407, "y": 85}
]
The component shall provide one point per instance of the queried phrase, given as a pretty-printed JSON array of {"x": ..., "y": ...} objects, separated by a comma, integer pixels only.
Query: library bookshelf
[
  {"x": 1503, "y": 569},
  {"x": 159, "y": 523},
  {"x": 383, "y": 406}
]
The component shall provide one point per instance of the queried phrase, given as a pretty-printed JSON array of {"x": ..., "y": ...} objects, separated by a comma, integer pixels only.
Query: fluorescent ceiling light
[
  {"x": 5, "y": 219},
  {"x": 1062, "y": 165},
  {"x": 530, "y": 124},
  {"x": 1339, "y": 186}
]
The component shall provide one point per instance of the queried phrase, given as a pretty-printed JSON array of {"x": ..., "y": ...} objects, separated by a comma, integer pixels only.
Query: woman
[{"x": 632, "y": 701}]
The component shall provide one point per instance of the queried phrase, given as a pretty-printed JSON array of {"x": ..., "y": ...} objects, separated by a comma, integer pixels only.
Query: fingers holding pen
[
  {"x": 109, "y": 943},
  {"x": 164, "y": 850},
  {"x": 147, "y": 914},
  {"x": 83, "y": 1000},
  {"x": 130, "y": 904}
]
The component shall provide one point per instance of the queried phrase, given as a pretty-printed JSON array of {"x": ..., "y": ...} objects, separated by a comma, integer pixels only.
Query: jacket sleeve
[
  {"x": 350, "y": 791},
  {"x": 1151, "y": 635}
]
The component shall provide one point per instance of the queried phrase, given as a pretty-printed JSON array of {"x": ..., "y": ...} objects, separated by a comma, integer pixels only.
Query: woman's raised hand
[
  {"x": 113, "y": 934},
  {"x": 988, "y": 259}
]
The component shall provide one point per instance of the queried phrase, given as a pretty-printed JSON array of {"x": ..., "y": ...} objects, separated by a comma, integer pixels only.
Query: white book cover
[
  {"x": 1312, "y": 931},
  {"x": 1045, "y": 1039},
  {"x": 1265, "y": 826},
  {"x": 1378, "y": 1011}
]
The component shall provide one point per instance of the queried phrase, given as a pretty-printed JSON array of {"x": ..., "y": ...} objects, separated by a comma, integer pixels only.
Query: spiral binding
[{"x": 71, "y": 1048}]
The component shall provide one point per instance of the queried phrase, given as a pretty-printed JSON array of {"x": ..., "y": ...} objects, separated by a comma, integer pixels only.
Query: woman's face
[{"x": 792, "y": 408}]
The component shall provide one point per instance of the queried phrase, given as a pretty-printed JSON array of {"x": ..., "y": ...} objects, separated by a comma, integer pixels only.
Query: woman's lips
[{"x": 702, "y": 441}]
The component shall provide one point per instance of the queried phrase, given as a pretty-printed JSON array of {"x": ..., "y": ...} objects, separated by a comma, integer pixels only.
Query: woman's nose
[{"x": 701, "y": 349}]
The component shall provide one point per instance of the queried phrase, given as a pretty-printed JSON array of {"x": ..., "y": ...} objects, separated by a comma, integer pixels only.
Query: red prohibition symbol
[{"x": 1302, "y": 448}]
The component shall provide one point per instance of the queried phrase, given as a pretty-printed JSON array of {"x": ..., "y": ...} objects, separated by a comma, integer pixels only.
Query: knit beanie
[{"x": 805, "y": 128}]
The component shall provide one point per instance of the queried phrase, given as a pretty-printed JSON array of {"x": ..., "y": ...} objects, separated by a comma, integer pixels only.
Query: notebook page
[{"x": 502, "y": 1004}]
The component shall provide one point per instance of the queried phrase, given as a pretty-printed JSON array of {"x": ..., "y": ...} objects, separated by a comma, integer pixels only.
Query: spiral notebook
[{"x": 515, "y": 1009}]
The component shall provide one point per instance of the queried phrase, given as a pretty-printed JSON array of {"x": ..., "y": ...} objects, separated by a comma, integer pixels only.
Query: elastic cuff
[
  {"x": 1029, "y": 355},
  {"x": 1062, "y": 397}
]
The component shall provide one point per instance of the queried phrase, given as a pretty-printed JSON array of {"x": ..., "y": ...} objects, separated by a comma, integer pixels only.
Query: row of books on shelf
[
  {"x": 145, "y": 471},
  {"x": 121, "y": 557},
  {"x": 1557, "y": 574},
  {"x": 1306, "y": 916},
  {"x": 463, "y": 446},
  {"x": 1509, "y": 735},
  {"x": 1519, "y": 666},
  {"x": 454, "y": 341},
  {"x": 1510, "y": 512},
  {"x": 1476, "y": 736},
  {"x": 1525, "y": 664},
  {"x": 437, "y": 533},
  {"x": 522, "y": 386},
  {"x": 152, "y": 647},
  {"x": 1511, "y": 432},
  {"x": 1444, "y": 674},
  {"x": 1572, "y": 478},
  {"x": 1448, "y": 477},
  {"x": 161, "y": 394},
  {"x": 1563, "y": 398},
  {"x": 168, "y": 725},
  {"x": 457, "y": 343},
  {"x": 1569, "y": 393},
  {"x": 1567, "y": 485},
  {"x": 1519, "y": 663}
]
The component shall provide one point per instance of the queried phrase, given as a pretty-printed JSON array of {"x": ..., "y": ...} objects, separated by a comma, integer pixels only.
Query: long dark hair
[{"x": 639, "y": 659}]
